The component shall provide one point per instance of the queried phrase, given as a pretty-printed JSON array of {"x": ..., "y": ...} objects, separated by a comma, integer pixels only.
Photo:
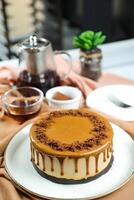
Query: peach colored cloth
[
  {"x": 9, "y": 75},
  {"x": 74, "y": 78},
  {"x": 9, "y": 127}
]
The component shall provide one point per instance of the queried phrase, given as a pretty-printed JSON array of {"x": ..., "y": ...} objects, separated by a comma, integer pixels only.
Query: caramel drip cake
[{"x": 71, "y": 146}]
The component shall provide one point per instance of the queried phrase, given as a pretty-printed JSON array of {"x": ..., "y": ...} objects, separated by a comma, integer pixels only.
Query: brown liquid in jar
[
  {"x": 22, "y": 109},
  {"x": 42, "y": 81}
]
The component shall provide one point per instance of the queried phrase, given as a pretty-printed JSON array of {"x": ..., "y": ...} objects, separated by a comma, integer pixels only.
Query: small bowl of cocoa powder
[{"x": 65, "y": 97}]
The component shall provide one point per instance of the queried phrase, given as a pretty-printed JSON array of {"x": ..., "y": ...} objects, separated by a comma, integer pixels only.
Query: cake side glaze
[{"x": 72, "y": 167}]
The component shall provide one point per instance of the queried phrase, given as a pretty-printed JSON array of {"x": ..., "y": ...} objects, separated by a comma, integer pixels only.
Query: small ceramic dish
[
  {"x": 22, "y": 101},
  {"x": 72, "y": 97}
]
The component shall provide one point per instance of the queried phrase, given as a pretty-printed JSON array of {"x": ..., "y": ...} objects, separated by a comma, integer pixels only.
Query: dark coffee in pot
[{"x": 43, "y": 81}]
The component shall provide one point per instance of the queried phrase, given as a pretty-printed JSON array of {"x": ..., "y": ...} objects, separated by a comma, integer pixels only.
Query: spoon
[{"x": 115, "y": 100}]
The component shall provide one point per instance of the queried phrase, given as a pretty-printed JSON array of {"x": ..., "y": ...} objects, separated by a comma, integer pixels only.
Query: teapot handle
[{"x": 70, "y": 58}]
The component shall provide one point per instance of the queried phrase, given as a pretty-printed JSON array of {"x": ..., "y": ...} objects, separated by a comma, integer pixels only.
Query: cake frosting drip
[
  {"x": 107, "y": 152},
  {"x": 97, "y": 129}
]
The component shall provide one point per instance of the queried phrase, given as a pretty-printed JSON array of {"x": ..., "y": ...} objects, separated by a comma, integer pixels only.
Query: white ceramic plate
[
  {"x": 21, "y": 170},
  {"x": 98, "y": 99}
]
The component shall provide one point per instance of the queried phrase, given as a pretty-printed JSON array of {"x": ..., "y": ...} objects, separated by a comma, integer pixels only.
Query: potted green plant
[{"x": 90, "y": 54}]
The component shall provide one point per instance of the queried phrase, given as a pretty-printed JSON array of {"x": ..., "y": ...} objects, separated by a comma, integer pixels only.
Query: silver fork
[{"x": 115, "y": 100}]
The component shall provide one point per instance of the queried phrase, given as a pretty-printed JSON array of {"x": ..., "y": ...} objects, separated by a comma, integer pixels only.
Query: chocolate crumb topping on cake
[{"x": 98, "y": 132}]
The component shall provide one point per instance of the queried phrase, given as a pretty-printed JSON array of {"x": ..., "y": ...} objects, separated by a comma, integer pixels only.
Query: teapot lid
[{"x": 34, "y": 44}]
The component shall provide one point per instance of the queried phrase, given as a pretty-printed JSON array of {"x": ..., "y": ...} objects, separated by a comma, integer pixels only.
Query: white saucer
[
  {"x": 21, "y": 170},
  {"x": 98, "y": 99}
]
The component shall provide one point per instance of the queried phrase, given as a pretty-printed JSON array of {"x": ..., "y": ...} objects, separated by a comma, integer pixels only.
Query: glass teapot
[{"x": 36, "y": 60}]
